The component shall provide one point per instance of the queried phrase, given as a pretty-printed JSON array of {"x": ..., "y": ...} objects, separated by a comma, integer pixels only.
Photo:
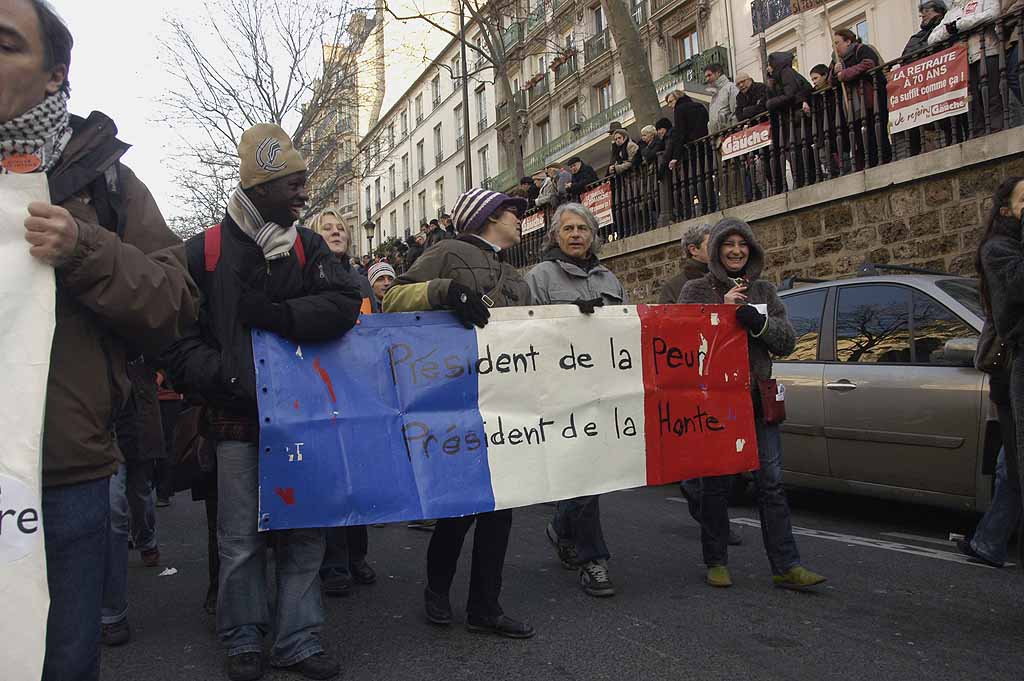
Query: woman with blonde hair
[{"x": 345, "y": 555}]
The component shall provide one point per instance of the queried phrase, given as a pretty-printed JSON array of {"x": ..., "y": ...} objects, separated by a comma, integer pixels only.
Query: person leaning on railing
[
  {"x": 856, "y": 75},
  {"x": 788, "y": 101}
]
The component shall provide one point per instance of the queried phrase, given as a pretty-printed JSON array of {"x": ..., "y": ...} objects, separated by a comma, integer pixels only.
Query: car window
[
  {"x": 805, "y": 311},
  {"x": 934, "y": 324},
  {"x": 872, "y": 324},
  {"x": 965, "y": 292}
]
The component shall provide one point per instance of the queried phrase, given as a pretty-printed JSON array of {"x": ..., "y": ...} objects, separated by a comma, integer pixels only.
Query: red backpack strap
[
  {"x": 300, "y": 251},
  {"x": 211, "y": 247}
]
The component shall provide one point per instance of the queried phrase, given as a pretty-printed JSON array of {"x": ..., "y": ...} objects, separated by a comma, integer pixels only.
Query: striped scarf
[
  {"x": 43, "y": 131},
  {"x": 275, "y": 240}
]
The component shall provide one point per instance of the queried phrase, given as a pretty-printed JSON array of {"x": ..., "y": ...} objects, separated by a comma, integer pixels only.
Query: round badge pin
[{"x": 21, "y": 163}]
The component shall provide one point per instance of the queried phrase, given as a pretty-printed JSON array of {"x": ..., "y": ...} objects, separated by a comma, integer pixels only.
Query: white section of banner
[
  {"x": 587, "y": 445},
  {"x": 27, "y": 299}
]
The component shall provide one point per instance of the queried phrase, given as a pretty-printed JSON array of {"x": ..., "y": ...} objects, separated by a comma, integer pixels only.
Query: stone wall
[{"x": 933, "y": 222}]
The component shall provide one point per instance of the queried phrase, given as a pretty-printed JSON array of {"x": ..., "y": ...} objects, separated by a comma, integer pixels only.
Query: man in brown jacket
[{"x": 121, "y": 280}]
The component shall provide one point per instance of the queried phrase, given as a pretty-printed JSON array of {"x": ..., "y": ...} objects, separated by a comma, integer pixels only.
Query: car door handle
[{"x": 842, "y": 386}]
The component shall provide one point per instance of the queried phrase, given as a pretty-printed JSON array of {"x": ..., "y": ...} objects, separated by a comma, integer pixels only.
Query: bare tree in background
[{"x": 289, "y": 62}]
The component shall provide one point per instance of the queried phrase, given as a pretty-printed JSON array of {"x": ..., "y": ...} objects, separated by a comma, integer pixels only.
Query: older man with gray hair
[
  {"x": 570, "y": 273},
  {"x": 695, "y": 246}
]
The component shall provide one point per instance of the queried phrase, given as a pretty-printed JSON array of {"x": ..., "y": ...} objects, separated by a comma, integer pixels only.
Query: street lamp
[{"x": 370, "y": 229}]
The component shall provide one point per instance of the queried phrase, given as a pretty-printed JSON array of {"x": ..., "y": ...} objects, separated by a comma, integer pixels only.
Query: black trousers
[{"x": 490, "y": 542}]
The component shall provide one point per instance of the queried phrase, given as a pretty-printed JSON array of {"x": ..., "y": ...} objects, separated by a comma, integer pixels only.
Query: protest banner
[
  {"x": 929, "y": 89},
  {"x": 27, "y": 302},
  {"x": 533, "y": 222},
  {"x": 746, "y": 140},
  {"x": 599, "y": 201},
  {"x": 412, "y": 416}
]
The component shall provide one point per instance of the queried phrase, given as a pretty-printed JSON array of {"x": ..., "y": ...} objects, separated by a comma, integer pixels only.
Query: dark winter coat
[
  {"x": 532, "y": 193},
  {"x": 692, "y": 269},
  {"x": 778, "y": 338},
  {"x": 365, "y": 290},
  {"x": 214, "y": 361},
  {"x": 559, "y": 279},
  {"x": 113, "y": 291},
  {"x": 919, "y": 40},
  {"x": 436, "y": 236},
  {"x": 139, "y": 429},
  {"x": 1002, "y": 261},
  {"x": 650, "y": 151},
  {"x": 580, "y": 180},
  {"x": 690, "y": 123},
  {"x": 789, "y": 90},
  {"x": 752, "y": 102}
]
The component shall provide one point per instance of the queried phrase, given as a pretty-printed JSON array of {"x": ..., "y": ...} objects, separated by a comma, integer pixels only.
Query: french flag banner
[{"x": 411, "y": 416}]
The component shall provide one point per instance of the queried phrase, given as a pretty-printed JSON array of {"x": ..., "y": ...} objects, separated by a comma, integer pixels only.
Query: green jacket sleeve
[{"x": 422, "y": 287}]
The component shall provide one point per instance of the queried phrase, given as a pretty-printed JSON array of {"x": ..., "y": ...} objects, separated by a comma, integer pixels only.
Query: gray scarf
[
  {"x": 275, "y": 240},
  {"x": 43, "y": 131}
]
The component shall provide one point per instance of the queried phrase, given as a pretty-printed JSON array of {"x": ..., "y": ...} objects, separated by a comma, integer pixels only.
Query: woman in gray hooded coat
[{"x": 735, "y": 263}]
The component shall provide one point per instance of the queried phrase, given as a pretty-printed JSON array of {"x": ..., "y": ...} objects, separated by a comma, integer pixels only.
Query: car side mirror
[{"x": 959, "y": 352}]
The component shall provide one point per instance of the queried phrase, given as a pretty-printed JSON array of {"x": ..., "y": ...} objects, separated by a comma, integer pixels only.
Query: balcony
[
  {"x": 438, "y": 158},
  {"x": 460, "y": 142},
  {"x": 558, "y": 5},
  {"x": 563, "y": 71},
  {"x": 513, "y": 35},
  {"x": 435, "y": 99},
  {"x": 765, "y": 13},
  {"x": 422, "y": 172},
  {"x": 535, "y": 19},
  {"x": 692, "y": 69},
  {"x": 503, "y": 109},
  {"x": 597, "y": 45},
  {"x": 539, "y": 89},
  {"x": 658, "y": 5},
  {"x": 419, "y": 118},
  {"x": 481, "y": 124}
]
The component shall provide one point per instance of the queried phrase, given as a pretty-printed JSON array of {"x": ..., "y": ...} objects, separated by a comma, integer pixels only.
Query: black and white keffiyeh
[
  {"x": 43, "y": 131},
  {"x": 275, "y": 240}
]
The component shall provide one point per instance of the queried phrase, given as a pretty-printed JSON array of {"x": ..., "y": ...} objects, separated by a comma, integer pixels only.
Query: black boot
[{"x": 437, "y": 607}]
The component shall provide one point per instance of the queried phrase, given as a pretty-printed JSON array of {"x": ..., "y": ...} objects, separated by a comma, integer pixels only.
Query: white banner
[{"x": 27, "y": 299}]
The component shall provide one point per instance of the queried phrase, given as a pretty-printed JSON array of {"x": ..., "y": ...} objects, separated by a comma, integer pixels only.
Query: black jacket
[
  {"x": 919, "y": 40},
  {"x": 752, "y": 102},
  {"x": 650, "y": 152},
  {"x": 580, "y": 180},
  {"x": 690, "y": 123},
  {"x": 532, "y": 193},
  {"x": 214, "y": 360},
  {"x": 789, "y": 90},
  {"x": 365, "y": 290}
]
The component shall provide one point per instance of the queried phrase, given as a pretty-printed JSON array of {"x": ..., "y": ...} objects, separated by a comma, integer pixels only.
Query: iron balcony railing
[
  {"x": 539, "y": 89},
  {"x": 535, "y": 19},
  {"x": 513, "y": 35},
  {"x": 692, "y": 69},
  {"x": 765, "y": 13},
  {"x": 481, "y": 124},
  {"x": 460, "y": 142},
  {"x": 597, "y": 45},
  {"x": 845, "y": 131},
  {"x": 563, "y": 71}
]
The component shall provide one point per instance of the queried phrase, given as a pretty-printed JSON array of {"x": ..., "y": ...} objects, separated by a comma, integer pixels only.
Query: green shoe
[
  {"x": 797, "y": 578},
  {"x": 718, "y": 576}
]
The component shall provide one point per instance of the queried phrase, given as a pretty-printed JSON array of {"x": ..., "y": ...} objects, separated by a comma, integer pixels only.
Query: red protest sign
[
  {"x": 746, "y": 140},
  {"x": 599, "y": 201},
  {"x": 533, "y": 222},
  {"x": 928, "y": 89}
]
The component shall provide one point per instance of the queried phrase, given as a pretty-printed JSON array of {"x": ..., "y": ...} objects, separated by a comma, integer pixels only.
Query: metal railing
[
  {"x": 764, "y": 13},
  {"x": 460, "y": 142},
  {"x": 503, "y": 110},
  {"x": 513, "y": 35},
  {"x": 438, "y": 158},
  {"x": 539, "y": 89},
  {"x": 481, "y": 124},
  {"x": 563, "y": 71},
  {"x": 597, "y": 45},
  {"x": 844, "y": 131},
  {"x": 693, "y": 68},
  {"x": 535, "y": 19}
]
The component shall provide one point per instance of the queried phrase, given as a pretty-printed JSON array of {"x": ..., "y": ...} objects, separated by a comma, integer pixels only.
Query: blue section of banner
[{"x": 379, "y": 426}]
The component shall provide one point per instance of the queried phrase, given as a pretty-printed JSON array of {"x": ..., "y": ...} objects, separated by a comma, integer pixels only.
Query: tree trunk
[
  {"x": 636, "y": 73},
  {"x": 504, "y": 93}
]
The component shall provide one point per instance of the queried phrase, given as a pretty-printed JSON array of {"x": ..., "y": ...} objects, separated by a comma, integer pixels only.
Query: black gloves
[
  {"x": 587, "y": 306},
  {"x": 468, "y": 305},
  {"x": 951, "y": 28},
  {"x": 748, "y": 316},
  {"x": 257, "y": 311}
]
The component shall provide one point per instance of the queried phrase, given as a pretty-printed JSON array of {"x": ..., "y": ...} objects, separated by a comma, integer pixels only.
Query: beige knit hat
[{"x": 267, "y": 153}]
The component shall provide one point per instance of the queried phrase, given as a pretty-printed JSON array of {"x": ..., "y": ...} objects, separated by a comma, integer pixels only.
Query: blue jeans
[
  {"x": 243, "y": 613},
  {"x": 776, "y": 528},
  {"x": 993, "y": 532},
  {"x": 579, "y": 521},
  {"x": 115, "y": 580},
  {"x": 75, "y": 522}
]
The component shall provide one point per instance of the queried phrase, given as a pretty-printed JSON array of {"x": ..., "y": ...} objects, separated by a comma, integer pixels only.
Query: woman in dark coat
[
  {"x": 1000, "y": 264},
  {"x": 735, "y": 262}
]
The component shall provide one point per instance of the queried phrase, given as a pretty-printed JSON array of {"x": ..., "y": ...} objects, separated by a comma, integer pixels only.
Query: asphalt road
[{"x": 899, "y": 604}]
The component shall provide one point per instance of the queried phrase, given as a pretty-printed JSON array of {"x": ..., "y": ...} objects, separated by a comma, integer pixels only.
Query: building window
[
  {"x": 391, "y": 136},
  {"x": 603, "y": 96},
  {"x": 421, "y": 199},
  {"x": 406, "y": 217},
  {"x": 404, "y": 120},
  {"x": 405, "y": 172},
  {"x": 439, "y": 196},
  {"x": 599, "y": 24},
  {"x": 687, "y": 45},
  {"x": 570, "y": 115},
  {"x": 542, "y": 133},
  {"x": 394, "y": 223},
  {"x": 435, "y": 90},
  {"x": 460, "y": 178},
  {"x": 460, "y": 132},
  {"x": 391, "y": 181},
  {"x": 421, "y": 164},
  {"x": 438, "y": 148},
  {"x": 485, "y": 163},
  {"x": 376, "y": 191},
  {"x": 368, "y": 202},
  {"x": 481, "y": 108},
  {"x": 861, "y": 29},
  {"x": 418, "y": 105}
]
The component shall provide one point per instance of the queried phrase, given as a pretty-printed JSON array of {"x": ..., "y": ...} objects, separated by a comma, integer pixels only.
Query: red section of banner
[
  {"x": 697, "y": 408},
  {"x": 928, "y": 89},
  {"x": 599, "y": 201},
  {"x": 746, "y": 140}
]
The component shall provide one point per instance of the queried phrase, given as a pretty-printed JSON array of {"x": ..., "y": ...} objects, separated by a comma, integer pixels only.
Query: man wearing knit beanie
[
  {"x": 467, "y": 275},
  {"x": 381, "y": 276},
  {"x": 258, "y": 270}
]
